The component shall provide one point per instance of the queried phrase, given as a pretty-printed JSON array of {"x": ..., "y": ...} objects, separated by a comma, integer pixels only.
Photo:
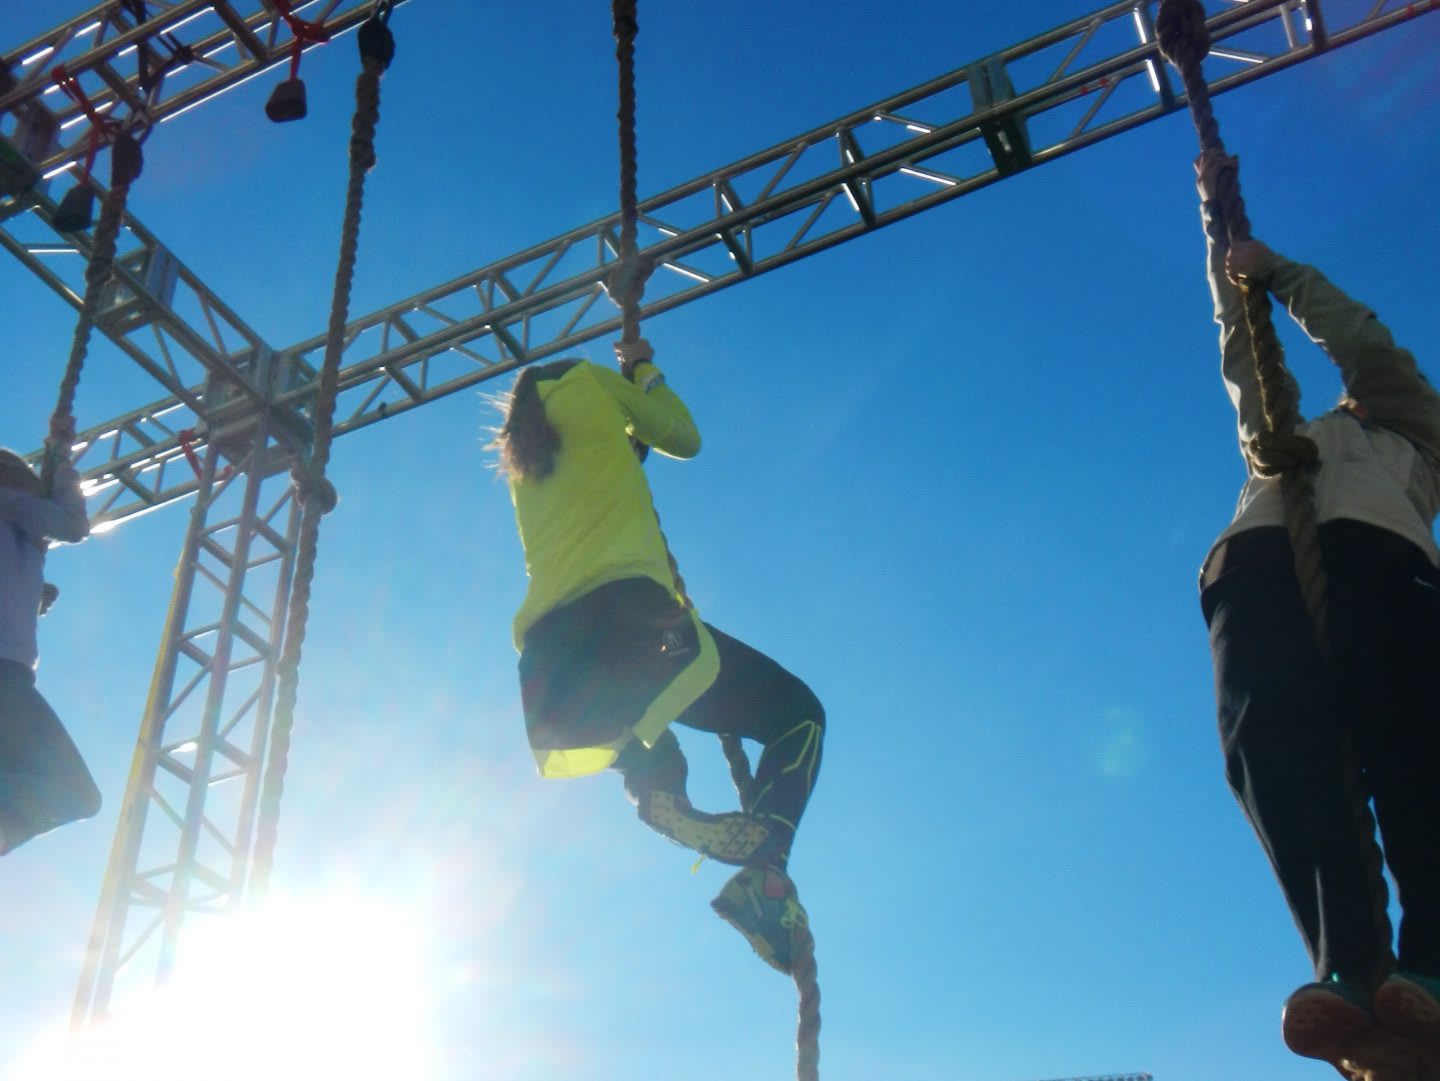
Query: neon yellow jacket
[{"x": 592, "y": 520}]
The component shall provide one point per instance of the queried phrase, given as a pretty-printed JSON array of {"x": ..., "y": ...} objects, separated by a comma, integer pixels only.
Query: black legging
[{"x": 752, "y": 698}]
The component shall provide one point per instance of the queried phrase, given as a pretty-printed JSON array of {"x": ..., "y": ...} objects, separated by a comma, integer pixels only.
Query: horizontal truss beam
[
  {"x": 182, "y": 54},
  {"x": 1077, "y": 85}
]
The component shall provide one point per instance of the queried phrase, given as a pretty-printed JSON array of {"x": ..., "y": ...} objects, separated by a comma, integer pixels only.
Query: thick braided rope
[
  {"x": 629, "y": 283},
  {"x": 1184, "y": 42},
  {"x": 125, "y": 167},
  {"x": 807, "y": 1033},
  {"x": 627, "y": 287},
  {"x": 739, "y": 763},
  {"x": 311, "y": 487}
]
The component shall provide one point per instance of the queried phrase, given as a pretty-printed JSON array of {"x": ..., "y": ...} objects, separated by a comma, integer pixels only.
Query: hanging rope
[
  {"x": 1280, "y": 450},
  {"x": 126, "y": 162},
  {"x": 807, "y": 1033},
  {"x": 627, "y": 283},
  {"x": 316, "y": 494},
  {"x": 626, "y": 286}
]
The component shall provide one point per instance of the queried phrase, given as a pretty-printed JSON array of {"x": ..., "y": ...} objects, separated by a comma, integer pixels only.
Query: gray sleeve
[
  {"x": 1379, "y": 375},
  {"x": 60, "y": 517},
  {"x": 1237, "y": 358}
]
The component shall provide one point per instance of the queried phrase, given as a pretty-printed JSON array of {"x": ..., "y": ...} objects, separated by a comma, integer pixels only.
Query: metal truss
[
  {"x": 232, "y": 410},
  {"x": 186, "y": 827},
  {"x": 182, "y": 52},
  {"x": 176, "y": 330},
  {"x": 1089, "y": 80}
]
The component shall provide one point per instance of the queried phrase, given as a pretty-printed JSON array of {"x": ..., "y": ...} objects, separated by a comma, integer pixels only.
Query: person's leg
[
  {"x": 1401, "y": 742},
  {"x": 43, "y": 780},
  {"x": 755, "y": 698},
  {"x": 1283, "y": 728},
  {"x": 1400, "y": 685}
]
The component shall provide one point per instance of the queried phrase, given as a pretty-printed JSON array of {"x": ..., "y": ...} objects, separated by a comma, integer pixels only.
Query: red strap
[
  {"x": 101, "y": 127},
  {"x": 187, "y": 439},
  {"x": 305, "y": 31}
]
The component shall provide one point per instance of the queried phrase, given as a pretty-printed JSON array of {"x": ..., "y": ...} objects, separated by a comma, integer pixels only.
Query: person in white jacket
[
  {"x": 43, "y": 779},
  {"x": 1298, "y": 728}
]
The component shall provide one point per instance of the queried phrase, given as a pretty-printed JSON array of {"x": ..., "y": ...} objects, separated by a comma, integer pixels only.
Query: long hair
[
  {"x": 15, "y": 472},
  {"x": 527, "y": 441}
]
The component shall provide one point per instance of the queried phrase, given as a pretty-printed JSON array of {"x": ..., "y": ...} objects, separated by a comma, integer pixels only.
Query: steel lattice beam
[
  {"x": 183, "y": 843},
  {"x": 184, "y": 52},
  {"x": 1081, "y": 83},
  {"x": 182, "y": 847}
]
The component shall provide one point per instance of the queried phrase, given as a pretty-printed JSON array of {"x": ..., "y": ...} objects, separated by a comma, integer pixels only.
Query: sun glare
[{"x": 308, "y": 988}]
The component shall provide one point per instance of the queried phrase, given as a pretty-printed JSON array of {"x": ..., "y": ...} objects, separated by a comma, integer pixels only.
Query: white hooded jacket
[{"x": 1380, "y": 456}]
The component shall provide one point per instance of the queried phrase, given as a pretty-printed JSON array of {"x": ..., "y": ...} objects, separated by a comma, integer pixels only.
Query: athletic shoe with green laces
[
  {"x": 1322, "y": 1020},
  {"x": 731, "y": 838},
  {"x": 761, "y": 903},
  {"x": 1410, "y": 1004}
]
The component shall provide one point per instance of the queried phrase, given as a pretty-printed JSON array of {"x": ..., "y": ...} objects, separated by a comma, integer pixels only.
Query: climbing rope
[
  {"x": 626, "y": 286},
  {"x": 627, "y": 283},
  {"x": 316, "y": 494},
  {"x": 1280, "y": 450},
  {"x": 126, "y": 162},
  {"x": 807, "y": 1032}
]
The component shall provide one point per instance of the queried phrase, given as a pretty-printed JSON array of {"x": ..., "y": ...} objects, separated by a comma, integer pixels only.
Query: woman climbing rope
[
  {"x": 43, "y": 780},
  {"x": 609, "y": 653},
  {"x": 1299, "y": 728}
]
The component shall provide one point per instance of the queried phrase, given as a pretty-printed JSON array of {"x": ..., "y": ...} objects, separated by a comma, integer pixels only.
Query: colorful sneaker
[
  {"x": 729, "y": 838},
  {"x": 1322, "y": 1020},
  {"x": 761, "y": 903},
  {"x": 1410, "y": 1004}
]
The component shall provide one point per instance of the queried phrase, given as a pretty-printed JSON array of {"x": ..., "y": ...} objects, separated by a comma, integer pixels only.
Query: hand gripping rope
[
  {"x": 316, "y": 494},
  {"x": 1280, "y": 450},
  {"x": 626, "y": 286}
]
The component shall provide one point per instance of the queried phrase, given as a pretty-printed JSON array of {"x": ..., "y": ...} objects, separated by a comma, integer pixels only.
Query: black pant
[
  {"x": 43, "y": 779},
  {"x": 752, "y": 698},
  {"x": 1296, "y": 729}
]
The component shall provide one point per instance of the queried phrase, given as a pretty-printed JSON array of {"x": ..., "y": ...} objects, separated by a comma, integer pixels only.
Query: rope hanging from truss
[
  {"x": 1280, "y": 450},
  {"x": 627, "y": 283},
  {"x": 316, "y": 494},
  {"x": 626, "y": 286},
  {"x": 126, "y": 162}
]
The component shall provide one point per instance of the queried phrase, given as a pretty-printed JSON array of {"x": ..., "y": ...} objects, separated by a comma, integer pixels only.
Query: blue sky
[{"x": 959, "y": 475}]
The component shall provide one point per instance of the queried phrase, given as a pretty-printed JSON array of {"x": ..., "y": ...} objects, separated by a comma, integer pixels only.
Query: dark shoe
[
  {"x": 1323, "y": 1020},
  {"x": 729, "y": 838},
  {"x": 761, "y": 903},
  {"x": 1410, "y": 1004}
]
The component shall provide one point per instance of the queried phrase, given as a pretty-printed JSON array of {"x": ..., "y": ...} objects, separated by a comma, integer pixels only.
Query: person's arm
[
  {"x": 72, "y": 524},
  {"x": 44, "y": 519},
  {"x": 60, "y": 517},
  {"x": 1237, "y": 358},
  {"x": 1382, "y": 378},
  {"x": 657, "y": 416}
]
